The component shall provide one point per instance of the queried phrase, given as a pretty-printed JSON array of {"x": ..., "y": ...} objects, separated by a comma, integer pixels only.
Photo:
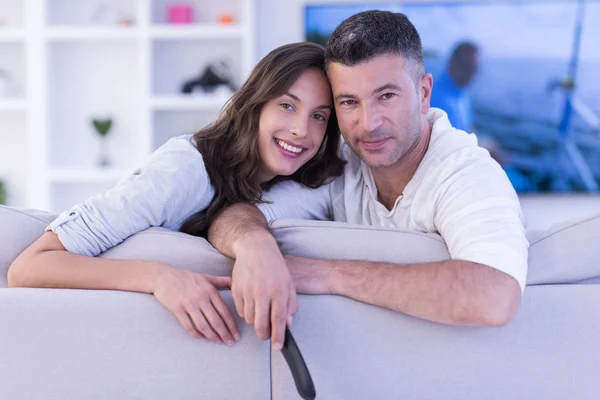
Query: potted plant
[
  {"x": 3, "y": 194},
  {"x": 102, "y": 128}
]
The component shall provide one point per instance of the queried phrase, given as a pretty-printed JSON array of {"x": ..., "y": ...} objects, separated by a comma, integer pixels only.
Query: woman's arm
[
  {"x": 46, "y": 264},
  {"x": 193, "y": 298}
]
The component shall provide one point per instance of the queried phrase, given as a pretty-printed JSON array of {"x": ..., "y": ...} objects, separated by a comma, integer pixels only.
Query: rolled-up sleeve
[
  {"x": 480, "y": 218},
  {"x": 171, "y": 186}
]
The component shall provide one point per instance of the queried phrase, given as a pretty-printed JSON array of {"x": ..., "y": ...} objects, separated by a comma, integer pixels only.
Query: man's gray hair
[{"x": 374, "y": 33}]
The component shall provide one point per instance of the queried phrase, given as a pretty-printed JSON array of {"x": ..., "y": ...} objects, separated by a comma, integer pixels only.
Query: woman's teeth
[{"x": 288, "y": 147}]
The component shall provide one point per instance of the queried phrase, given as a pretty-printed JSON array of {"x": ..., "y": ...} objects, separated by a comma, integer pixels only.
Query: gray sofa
[{"x": 87, "y": 344}]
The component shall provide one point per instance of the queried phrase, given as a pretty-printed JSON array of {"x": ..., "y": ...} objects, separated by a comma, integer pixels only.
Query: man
[
  {"x": 407, "y": 169},
  {"x": 450, "y": 92}
]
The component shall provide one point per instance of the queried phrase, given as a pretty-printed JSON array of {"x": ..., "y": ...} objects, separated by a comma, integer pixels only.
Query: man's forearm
[
  {"x": 235, "y": 224},
  {"x": 451, "y": 292}
]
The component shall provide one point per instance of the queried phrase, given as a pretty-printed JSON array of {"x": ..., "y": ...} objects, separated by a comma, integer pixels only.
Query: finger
[
  {"x": 262, "y": 319},
  {"x": 226, "y": 315},
  {"x": 186, "y": 322},
  {"x": 292, "y": 304},
  {"x": 220, "y": 282},
  {"x": 279, "y": 316},
  {"x": 216, "y": 322},
  {"x": 202, "y": 325},
  {"x": 249, "y": 309},
  {"x": 238, "y": 301}
]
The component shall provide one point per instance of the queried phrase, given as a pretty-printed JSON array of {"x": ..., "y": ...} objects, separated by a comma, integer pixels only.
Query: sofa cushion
[
  {"x": 565, "y": 253},
  {"x": 18, "y": 229}
]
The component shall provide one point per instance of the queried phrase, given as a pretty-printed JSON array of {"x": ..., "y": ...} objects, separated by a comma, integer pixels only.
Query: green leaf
[
  {"x": 2, "y": 193},
  {"x": 102, "y": 126}
]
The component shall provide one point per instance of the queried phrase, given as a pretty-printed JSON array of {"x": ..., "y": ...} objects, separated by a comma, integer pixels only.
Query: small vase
[{"x": 104, "y": 159}]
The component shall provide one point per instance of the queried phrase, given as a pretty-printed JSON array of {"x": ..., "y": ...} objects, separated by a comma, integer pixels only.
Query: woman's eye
[
  {"x": 287, "y": 106},
  {"x": 319, "y": 117}
]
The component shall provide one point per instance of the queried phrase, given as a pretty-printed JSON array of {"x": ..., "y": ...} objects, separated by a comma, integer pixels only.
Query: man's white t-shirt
[{"x": 458, "y": 191}]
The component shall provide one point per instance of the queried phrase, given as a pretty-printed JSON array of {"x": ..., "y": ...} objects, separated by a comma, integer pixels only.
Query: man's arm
[
  {"x": 235, "y": 224},
  {"x": 477, "y": 213},
  {"x": 262, "y": 287},
  {"x": 450, "y": 292}
]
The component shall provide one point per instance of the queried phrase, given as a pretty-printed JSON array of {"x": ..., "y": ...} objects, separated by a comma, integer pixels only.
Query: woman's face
[{"x": 292, "y": 126}]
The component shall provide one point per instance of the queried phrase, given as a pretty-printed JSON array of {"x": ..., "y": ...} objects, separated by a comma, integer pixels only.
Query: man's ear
[{"x": 425, "y": 88}]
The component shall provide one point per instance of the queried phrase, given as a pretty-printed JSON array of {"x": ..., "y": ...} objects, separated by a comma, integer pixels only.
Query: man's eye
[
  {"x": 388, "y": 96},
  {"x": 348, "y": 102}
]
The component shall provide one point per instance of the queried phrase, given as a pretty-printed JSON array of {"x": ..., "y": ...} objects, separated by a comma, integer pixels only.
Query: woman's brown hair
[{"x": 229, "y": 145}]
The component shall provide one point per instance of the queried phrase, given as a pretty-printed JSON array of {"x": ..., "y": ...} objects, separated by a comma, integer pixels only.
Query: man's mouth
[{"x": 373, "y": 144}]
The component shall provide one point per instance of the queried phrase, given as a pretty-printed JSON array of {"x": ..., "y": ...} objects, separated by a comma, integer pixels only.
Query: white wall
[
  {"x": 281, "y": 21},
  {"x": 278, "y": 22}
]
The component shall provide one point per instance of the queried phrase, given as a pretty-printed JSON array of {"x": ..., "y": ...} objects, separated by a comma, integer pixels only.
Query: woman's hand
[{"x": 195, "y": 301}]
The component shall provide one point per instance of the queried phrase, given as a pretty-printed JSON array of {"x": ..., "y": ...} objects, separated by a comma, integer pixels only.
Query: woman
[{"x": 279, "y": 125}]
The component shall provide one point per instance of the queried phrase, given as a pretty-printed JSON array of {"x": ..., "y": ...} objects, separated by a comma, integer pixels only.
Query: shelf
[
  {"x": 177, "y": 61},
  {"x": 192, "y": 102},
  {"x": 87, "y": 12},
  {"x": 87, "y": 175},
  {"x": 11, "y": 34},
  {"x": 93, "y": 80},
  {"x": 197, "y": 31},
  {"x": 13, "y": 105},
  {"x": 76, "y": 33},
  {"x": 70, "y": 61}
]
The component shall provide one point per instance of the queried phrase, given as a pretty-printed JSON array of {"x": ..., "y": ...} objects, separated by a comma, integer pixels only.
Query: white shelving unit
[
  {"x": 174, "y": 103},
  {"x": 74, "y": 60},
  {"x": 9, "y": 35},
  {"x": 92, "y": 33},
  {"x": 13, "y": 105},
  {"x": 208, "y": 31}
]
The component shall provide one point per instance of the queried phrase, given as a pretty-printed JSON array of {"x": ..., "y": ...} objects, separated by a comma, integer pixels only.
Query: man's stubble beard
[{"x": 400, "y": 148}]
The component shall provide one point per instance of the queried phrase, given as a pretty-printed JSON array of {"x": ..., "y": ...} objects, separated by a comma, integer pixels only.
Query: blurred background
[{"x": 89, "y": 88}]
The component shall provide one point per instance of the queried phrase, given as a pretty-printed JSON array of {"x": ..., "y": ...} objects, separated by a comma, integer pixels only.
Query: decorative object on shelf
[
  {"x": 102, "y": 127},
  {"x": 226, "y": 19},
  {"x": 126, "y": 21},
  {"x": 3, "y": 194},
  {"x": 214, "y": 76},
  {"x": 4, "y": 83},
  {"x": 112, "y": 13},
  {"x": 180, "y": 13}
]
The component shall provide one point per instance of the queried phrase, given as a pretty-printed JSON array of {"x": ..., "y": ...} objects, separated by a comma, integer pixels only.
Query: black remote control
[{"x": 294, "y": 359}]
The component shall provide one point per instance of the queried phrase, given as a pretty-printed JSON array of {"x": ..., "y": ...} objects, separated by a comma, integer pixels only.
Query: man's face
[{"x": 380, "y": 107}]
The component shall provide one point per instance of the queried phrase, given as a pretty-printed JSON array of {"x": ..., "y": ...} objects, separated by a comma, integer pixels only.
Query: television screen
[{"x": 522, "y": 76}]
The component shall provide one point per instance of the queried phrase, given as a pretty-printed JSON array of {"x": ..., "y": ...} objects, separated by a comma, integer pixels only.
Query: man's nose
[{"x": 370, "y": 119}]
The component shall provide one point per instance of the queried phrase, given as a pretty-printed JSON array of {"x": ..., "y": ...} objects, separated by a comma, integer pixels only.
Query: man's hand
[
  {"x": 262, "y": 288},
  {"x": 309, "y": 276}
]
